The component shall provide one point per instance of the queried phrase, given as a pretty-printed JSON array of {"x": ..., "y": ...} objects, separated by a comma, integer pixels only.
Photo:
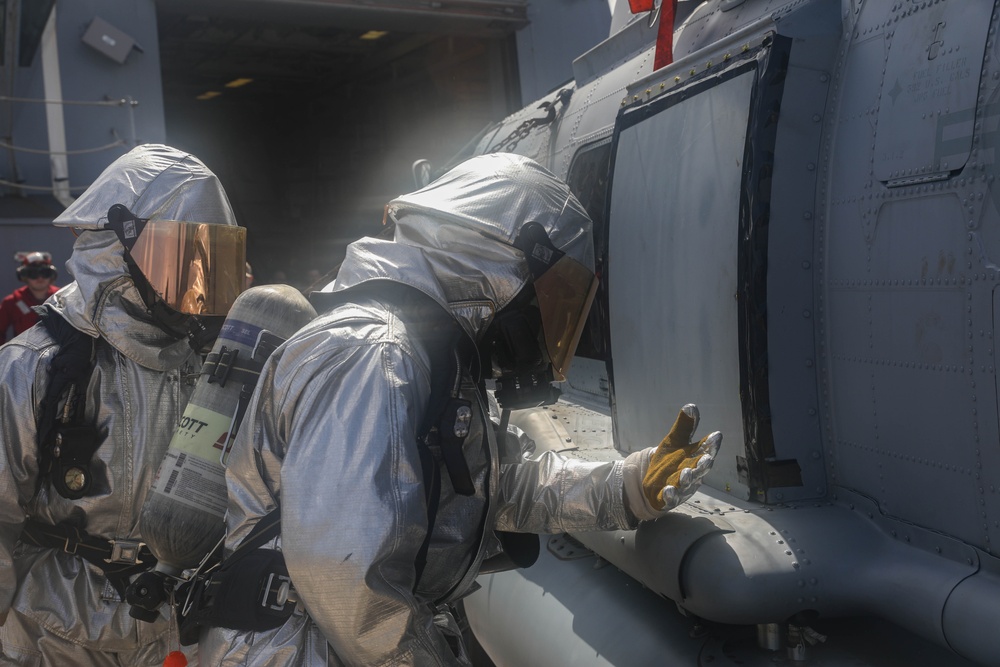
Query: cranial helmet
[{"x": 35, "y": 264}]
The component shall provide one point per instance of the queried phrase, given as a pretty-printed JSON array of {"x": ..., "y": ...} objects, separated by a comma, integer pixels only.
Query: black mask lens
[
  {"x": 38, "y": 272},
  {"x": 522, "y": 373}
]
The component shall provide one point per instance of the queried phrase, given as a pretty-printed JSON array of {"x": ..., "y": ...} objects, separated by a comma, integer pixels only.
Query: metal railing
[{"x": 127, "y": 103}]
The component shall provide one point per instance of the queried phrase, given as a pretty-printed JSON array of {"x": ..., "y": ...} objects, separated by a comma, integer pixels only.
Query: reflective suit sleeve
[
  {"x": 353, "y": 509},
  {"x": 18, "y": 462},
  {"x": 552, "y": 494}
]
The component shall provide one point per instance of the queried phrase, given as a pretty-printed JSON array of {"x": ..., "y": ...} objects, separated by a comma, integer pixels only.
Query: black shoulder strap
[
  {"x": 70, "y": 365},
  {"x": 445, "y": 383},
  {"x": 63, "y": 434}
]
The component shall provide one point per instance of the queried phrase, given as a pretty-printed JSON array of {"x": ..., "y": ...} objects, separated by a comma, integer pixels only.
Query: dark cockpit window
[{"x": 588, "y": 179}]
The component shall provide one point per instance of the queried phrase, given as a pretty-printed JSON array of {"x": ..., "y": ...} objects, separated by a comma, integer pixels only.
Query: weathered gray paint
[
  {"x": 883, "y": 260},
  {"x": 558, "y": 32}
]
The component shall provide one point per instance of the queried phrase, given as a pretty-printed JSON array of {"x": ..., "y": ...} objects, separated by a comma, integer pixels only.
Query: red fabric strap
[{"x": 665, "y": 35}]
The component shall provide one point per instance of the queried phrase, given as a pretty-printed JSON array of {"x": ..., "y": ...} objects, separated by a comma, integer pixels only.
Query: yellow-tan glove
[{"x": 658, "y": 479}]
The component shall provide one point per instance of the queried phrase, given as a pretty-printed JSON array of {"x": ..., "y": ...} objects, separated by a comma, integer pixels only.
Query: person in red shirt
[{"x": 39, "y": 276}]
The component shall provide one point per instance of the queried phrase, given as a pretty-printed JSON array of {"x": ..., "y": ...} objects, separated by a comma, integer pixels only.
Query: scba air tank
[{"x": 182, "y": 518}]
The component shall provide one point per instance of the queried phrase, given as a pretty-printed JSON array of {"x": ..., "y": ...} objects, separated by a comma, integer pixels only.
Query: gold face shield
[
  {"x": 565, "y": 293},
  {"x": 196, "y": 268}
]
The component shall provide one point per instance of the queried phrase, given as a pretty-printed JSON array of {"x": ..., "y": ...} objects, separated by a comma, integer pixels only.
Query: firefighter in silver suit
[
  {"x": 75, "y": 467},
  {"x": 499, "y": 249}
]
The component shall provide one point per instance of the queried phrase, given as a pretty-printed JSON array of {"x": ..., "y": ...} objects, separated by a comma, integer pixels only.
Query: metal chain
[
  {"x": 509, "y": 143},
  {"x": 514, "y": 138}
]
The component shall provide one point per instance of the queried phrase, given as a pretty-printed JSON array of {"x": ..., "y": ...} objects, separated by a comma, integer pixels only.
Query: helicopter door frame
[{"x": 686, "y": 265}]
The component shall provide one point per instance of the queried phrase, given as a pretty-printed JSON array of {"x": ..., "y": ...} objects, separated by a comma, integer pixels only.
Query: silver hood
[
  {"x": 152, "y": 181},
  {"x": 465, "y": 224}
]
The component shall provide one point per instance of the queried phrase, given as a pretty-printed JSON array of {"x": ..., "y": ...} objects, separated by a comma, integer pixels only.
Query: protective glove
[{"x": 658, "y": 479}]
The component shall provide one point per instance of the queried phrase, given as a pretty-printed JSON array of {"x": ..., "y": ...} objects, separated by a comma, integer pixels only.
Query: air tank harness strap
[
  {"x": 250, "y": 591},
  {"x": 66, "y": 441},
  {"x": 118, "y": 559},
  {"x": 227, "y": 365}
]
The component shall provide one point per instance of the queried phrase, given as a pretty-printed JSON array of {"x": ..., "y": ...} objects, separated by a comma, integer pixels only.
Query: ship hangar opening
[{"x": 313, "y": 114}]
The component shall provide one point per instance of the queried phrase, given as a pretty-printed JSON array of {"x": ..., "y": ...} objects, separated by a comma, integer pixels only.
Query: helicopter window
[
  {"x": 673, "y": 261},
  {"x": 688, "y": 219},
  {"x": 588, "y": 179}
]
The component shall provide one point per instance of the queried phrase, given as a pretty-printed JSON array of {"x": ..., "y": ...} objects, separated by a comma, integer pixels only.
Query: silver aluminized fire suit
[
  {"x": 336, "y": 416},
  {"x": 63, "y": 611}
]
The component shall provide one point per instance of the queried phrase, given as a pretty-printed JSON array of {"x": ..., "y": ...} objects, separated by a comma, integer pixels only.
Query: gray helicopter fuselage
[{"x": 797, "y": 230}]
